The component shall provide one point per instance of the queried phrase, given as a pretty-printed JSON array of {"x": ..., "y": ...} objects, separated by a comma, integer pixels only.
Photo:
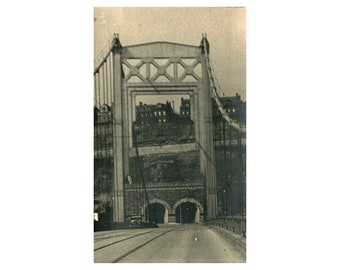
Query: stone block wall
[{"x": 169, "y": 195}]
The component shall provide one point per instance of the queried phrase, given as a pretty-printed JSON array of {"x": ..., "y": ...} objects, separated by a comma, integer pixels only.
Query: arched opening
[
  {"x": 186, "y": 212},
  {"x": 155, "y": 213}
]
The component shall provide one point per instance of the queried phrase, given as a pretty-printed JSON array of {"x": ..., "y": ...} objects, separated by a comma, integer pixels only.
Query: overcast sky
[{"x": 225, "y": 28}]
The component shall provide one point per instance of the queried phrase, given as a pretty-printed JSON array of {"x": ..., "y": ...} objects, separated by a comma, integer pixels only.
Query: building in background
[
  {"x": 185, "y": 108},
  {"x": 234, "y": 106},
  {"x": 158, "y": 113}
]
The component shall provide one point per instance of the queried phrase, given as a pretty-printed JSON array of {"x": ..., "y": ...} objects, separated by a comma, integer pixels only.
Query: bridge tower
[{"x": 156, "y": 68}]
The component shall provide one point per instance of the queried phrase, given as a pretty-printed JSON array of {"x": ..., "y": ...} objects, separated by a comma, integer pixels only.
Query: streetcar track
[
  {"x": 108, "y": 237},
  {"x": 138, "y": 247},
  {"x": 110, "y": 244}
]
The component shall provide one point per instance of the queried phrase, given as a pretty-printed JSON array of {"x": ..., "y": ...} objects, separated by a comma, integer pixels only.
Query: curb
[{"x": 237, "y": 240}]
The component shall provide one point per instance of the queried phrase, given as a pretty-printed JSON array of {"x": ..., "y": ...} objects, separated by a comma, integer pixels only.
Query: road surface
[{"x": 187, "y": 243}]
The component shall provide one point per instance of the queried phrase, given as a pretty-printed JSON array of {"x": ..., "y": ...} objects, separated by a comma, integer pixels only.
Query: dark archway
[
  {"x": 186, "y": 212},
  {"x": 155, "y": 213}
]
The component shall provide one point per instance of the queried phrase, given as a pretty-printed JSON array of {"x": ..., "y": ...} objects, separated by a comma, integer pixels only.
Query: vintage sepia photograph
[
  {"x": 172, "y": 136},
  {"x": 169, "y": 135}
]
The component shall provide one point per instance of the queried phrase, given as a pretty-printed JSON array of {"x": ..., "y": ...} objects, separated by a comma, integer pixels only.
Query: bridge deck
[{"x": 189, "y": 243}]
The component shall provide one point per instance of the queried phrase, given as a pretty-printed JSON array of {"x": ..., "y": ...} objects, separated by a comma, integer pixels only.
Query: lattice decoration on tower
[{"x": 159, "y": 70}]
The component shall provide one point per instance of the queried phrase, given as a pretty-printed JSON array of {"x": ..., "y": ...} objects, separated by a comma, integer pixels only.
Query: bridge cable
[
  {"x": 215, "y": 89},
  {"x": 140, "y": 169}
]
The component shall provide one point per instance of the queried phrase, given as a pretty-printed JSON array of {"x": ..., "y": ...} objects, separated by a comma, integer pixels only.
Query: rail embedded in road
[{"x": 168, "y": 244}]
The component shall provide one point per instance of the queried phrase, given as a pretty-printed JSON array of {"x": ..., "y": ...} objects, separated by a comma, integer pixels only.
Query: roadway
[{"x": 187, "y": 243}]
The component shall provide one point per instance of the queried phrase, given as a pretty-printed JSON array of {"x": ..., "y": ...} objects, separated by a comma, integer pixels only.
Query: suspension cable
[
  {"x": 140, "y": 169},
  {"x": 215, "y": 89}
]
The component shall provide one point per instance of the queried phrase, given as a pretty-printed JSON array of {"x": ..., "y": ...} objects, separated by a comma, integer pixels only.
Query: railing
[{"x": 233, "y": 224}]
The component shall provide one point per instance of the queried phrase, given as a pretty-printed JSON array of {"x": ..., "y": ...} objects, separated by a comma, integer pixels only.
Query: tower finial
[
  {"x": 204, "y": 43},
  {"x": 116, "y": 42}
]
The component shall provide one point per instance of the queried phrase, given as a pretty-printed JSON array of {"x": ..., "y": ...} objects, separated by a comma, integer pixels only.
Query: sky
[{"x": 225, "y": 29}]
